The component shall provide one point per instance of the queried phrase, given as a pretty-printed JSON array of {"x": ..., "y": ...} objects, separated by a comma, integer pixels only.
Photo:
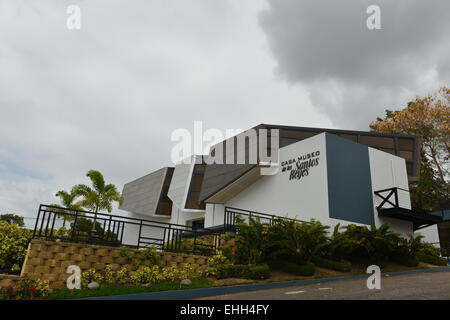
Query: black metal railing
[
  {"x": 113, "y": 230},
  {"x": 231, "y": 214},
  {"x": 392, "y": 197}
]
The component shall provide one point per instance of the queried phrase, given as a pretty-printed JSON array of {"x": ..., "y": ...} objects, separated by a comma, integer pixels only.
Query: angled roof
[
  {"x": 221, "y": 176},
  {"x": 147, "y": 195}
]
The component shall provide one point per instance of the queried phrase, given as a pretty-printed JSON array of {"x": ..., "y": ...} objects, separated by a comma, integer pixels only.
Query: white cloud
[{"x": 108, "y": 96}]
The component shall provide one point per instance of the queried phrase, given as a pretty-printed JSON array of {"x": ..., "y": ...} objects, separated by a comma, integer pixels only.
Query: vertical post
[
  {"x": 37, "y": 220},
  {"x": 225, "y": 220},
  {"x": 48, "y": 222},
  {"x": 74, "y": 227},
  {"x": 234, "y": 221},
  {"x": 121, "y": 234},
  {"x": 169, "y": 234},
  {"x": 53, "y": 225},
  {"x": 109, "y": 225},
  {"x": 139, "y": 236},
  {"x": 396, "y": 197},
  {"x": 42, "y": 223},
  {"x": 111, "y": 234},
  {"x": 195, "y": 241},
  {"x": 163, "y": 239}
]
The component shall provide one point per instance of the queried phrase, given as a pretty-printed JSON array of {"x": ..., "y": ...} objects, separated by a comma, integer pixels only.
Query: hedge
[
  {"x": 307, "y": 269},
  {"x": 344, "y": 266},
  {"x": 408, "y": 261},
  {"x": 243, "y": 271},
  {"x": 432, "y": 259},
  {"x": 259, "y": 272}
]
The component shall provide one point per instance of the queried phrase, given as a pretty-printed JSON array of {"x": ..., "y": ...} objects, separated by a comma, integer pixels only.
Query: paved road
[{"x": 416, "y": 286}]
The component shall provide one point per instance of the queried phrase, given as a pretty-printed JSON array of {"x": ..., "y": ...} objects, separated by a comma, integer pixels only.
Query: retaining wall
[{"x": 48, "y": 260}]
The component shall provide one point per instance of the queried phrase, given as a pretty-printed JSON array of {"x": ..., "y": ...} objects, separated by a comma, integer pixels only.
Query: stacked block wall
[{"x": 48, "y": 260}]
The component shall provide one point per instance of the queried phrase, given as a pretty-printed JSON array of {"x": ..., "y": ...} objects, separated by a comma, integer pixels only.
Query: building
[{"x": 334, "y": 176}]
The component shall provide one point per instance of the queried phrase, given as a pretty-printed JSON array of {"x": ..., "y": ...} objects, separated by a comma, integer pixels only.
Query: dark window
[{"x": 198, "y": 224}]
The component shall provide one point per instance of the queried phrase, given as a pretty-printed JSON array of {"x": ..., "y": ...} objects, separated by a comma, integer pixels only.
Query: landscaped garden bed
[
  {"x": 117, "y": 289},
  {"x": 282, "y": 251}
]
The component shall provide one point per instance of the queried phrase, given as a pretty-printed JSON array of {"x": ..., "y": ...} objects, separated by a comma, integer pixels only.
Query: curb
[{"x": 207, "y": 292}]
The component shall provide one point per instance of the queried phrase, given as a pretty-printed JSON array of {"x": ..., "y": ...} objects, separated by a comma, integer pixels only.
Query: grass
[{"x": 111, "y": 290}]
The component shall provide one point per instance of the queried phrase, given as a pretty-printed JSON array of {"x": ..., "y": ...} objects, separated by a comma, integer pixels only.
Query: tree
[
  {"x": 100, "y": 197},
  {"x": 428, "y": 117},
  {"x": 12, "y": 218},
  {"x": 67, "y": 201},
  {"x": 429, "y": 190}
]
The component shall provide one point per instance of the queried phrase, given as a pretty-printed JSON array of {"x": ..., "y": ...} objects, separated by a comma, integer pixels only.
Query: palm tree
[
  {"x": 67, "y": 200},
  {"x": 100, "y": 197}
]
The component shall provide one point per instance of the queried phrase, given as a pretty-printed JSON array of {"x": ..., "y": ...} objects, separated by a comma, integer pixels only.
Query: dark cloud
[{"x": 354, "y": 73}]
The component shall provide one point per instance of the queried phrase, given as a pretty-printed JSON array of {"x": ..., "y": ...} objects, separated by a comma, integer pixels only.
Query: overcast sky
[{"x": 108, "y": 96}]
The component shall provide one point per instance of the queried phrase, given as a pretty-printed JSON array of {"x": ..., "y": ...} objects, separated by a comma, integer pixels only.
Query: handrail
[
  {"x": 230, "y": 217},
  {"x": 386, "y": 199},
  {"x": 107, "y": 214},
  {"x": 165, "y": 236}
]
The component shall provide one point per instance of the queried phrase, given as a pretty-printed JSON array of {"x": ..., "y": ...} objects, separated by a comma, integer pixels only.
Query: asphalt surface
[{"x": 418, "y": 286}]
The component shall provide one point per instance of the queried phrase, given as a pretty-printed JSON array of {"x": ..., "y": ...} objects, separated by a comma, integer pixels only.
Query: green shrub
[
  {"x": 307, "y": 269},
  {"x": 239, "y": 271},
  {"x": 429, "y": 249},
  {"x": 294, "y": 241},
  {"x": 25, "y": 288},
  {"x": 232, "y": 271},
  {"x": 224, "y": 271},
  {"x": 13, "y": 245},
  {"x": 150, "y": 254},
  {"x": 339, "y": 245},
  {"x": 202, "y": 247},
  {"x": 217, "y": 260},
  {"x": 214, "y": 262},
  {"x": 260, "y": 272},
  {"x": 90, "y": 276},
  {"x": 108, "y": 275},
  {"x": 188, "y": 272},
  {"x": 126, "y": 253},
  {"x": 372, "y": 244},
  {"x": 243, "y": 271},
  {"x": 408, "y": 261},
  {"x": 122, "y": 275},
  {"x": 12, "y": 218},
  {"x": 250, "y": 241},
  {"x": 145, "y": 275},
  {"x": 436, "y": 260},
  {"x": 344, "y": 266},
  {"x": 227, "y": 252}
]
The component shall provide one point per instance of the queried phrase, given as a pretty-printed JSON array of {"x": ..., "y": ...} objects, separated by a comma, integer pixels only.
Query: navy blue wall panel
[{"x": 349, "y": 184}]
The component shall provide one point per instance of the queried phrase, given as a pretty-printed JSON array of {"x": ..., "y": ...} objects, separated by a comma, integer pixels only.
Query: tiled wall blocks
[
  {"x": 49, "y": 260},
  {"x": 8, "y": 280}
]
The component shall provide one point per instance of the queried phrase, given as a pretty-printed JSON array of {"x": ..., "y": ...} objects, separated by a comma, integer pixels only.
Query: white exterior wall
[
  {"x": 180, "y": 183},
  {"x": 430, "y": 234},
  {"x": 299, "y": 199},
  {"x": 185, "y": 217},
  {"x": 131, "y": 232},
  {"x": 387, "y": 171},
  {"x": 308, "y": 197},
  {"x": 214, "y": 214}
]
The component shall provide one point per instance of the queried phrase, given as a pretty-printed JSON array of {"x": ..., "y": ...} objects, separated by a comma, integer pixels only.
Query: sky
[{"x": 109, "y": 95}]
